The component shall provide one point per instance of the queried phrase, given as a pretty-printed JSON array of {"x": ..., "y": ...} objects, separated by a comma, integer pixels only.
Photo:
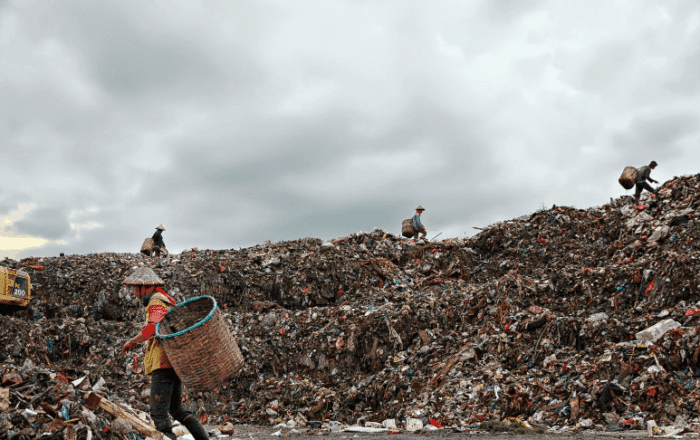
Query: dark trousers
[
  {"x": 419, "y": 231},
  {"x": 166, "y": 397},
  {"x": 639, "y": 187}
]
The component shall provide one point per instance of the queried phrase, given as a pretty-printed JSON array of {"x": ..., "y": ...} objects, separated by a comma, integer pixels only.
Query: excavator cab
[{"x": 15, "y": 287}]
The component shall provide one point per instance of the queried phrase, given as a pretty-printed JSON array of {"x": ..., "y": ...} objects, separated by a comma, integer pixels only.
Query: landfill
[{"x": 562, "y": 320}]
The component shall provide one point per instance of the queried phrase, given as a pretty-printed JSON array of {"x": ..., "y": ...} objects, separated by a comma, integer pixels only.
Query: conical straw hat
[{"x": 143, "y": 276}]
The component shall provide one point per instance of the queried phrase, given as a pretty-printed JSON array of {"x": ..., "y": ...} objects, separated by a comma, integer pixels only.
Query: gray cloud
[
  {"x": 51, "y": 223},
  {"x": 659, "y": 135},
  {"x": 507, "y": 11},
  {"x": 6, "y": 207},
  {"x": 688, "y": 78},
  {"x": 233, "y": 124}
]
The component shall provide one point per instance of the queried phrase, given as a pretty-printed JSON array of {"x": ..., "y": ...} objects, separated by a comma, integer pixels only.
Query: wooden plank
[
  {"x": 93, "y": 400},
  {"x": 4, "y": 399},
  {"x": 553, "y": 406}
]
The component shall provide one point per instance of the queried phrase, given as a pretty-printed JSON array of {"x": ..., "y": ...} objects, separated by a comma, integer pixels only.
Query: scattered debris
[
  {"x": 93, "y": 400},
  {"x": 564, "y": 319}
]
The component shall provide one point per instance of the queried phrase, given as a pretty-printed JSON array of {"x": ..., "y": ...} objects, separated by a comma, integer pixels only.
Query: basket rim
[{"x": 182, "y": 332}]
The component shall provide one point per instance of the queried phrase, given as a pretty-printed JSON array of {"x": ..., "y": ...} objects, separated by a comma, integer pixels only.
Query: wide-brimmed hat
[
  {"x": 420, "y": 208},
  {"x": 161, "y": 227},
  {"x": 143, "y": 276}
]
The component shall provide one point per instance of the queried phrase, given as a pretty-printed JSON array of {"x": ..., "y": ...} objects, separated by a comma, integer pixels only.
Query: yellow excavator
[{"x": 15, "y": 287}]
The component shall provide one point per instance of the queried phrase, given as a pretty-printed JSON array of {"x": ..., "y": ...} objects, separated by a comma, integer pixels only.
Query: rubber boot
[{"x": 195, "y": 428}]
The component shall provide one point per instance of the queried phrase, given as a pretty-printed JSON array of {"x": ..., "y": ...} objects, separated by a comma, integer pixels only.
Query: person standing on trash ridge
[
  {"x": 166, "y": 386},
  {"x": 641, "y": 184},
  {"x": 418, "y": 227},
  {"x": 158, "y": 243}
]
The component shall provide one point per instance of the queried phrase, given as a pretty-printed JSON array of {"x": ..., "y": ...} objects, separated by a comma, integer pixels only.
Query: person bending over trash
[
  {"x": 418, "y": 227},
  {"x": 166, "y": 387},
  {"x": 641, "y": 184}
]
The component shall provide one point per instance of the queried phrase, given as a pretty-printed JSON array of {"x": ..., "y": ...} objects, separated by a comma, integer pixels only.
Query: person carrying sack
[
  {"x": 166, "y": 386},
  {"x": 418, "y": 227},
  {"x": 641, "y": 182},
  {"x": 158, "y": 243}
]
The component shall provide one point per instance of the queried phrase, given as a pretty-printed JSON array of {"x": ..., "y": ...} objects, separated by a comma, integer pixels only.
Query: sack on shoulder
[
  {"x": 628, "y": 177},
  {"x": 407, "y": 228},
  {"x": 147, "y": 245}
]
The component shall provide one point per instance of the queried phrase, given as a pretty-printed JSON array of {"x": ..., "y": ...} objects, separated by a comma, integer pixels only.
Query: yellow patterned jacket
[{"x": 156, "y": 308}]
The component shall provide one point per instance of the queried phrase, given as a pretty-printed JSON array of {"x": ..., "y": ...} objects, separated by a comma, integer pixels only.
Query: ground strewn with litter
[{"x": 562, "y": 320}]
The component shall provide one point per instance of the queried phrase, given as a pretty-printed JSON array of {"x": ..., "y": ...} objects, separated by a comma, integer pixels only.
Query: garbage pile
[{"x": 563, "y": 319}]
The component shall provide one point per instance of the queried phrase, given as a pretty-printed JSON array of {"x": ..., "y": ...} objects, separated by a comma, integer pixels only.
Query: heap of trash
[{"x": 566, "y": 319}]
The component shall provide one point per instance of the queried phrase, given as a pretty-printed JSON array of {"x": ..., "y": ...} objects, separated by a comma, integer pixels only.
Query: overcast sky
[{"x": 237, "y": 122}]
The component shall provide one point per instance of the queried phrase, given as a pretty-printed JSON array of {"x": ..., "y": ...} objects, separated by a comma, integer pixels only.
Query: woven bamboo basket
[{"x": 198, "y": 343}]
